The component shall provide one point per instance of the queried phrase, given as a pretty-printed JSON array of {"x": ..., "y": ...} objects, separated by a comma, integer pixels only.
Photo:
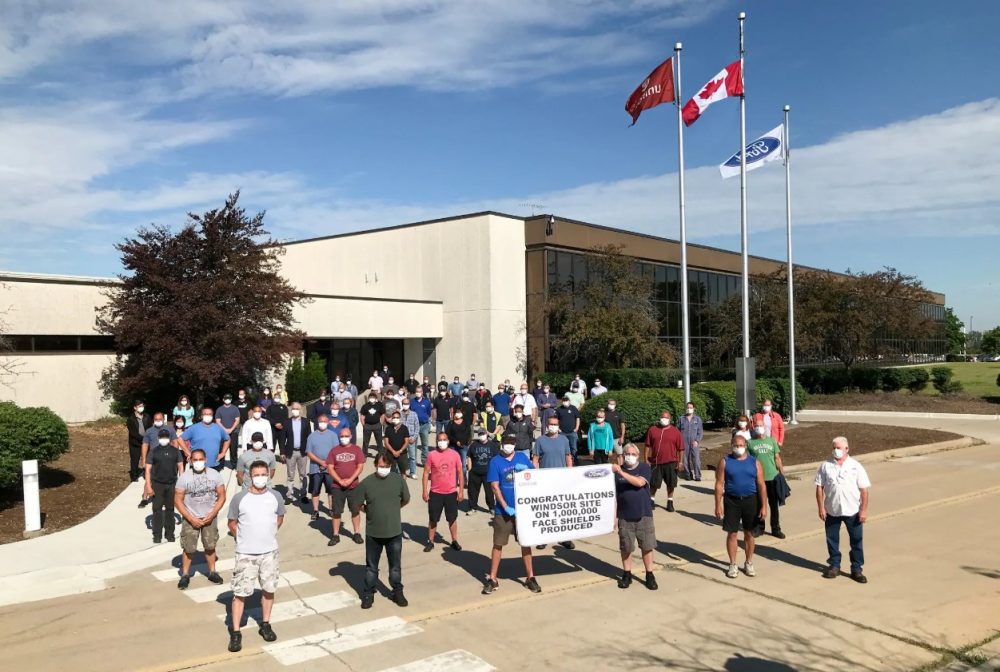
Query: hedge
[
  {"x": 617, "y": 379},
  {"x": 28, "y": 434},
  {"x": 836, "y": 380}
]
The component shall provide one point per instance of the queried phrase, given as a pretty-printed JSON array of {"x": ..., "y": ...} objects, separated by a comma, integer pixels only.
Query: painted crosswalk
[
  {"x": 174, "y": 573},
  {"x": 287, "y": 610},
  {"x": 340, "y": 640},
  {"x": 212, "y": 593},
  {"x": 458, "y": 660}
]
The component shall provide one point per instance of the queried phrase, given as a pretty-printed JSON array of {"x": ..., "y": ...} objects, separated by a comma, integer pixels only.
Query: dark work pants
[
  {"x": 163, "y": 509},
  {"x": 373, "y": 555},
  {"x": 370, "y": 431},
  {"x": 772, "y": 505},
  {"x": 234, "y": 445},
  {"x": 134, "y": 455},
  {"x": 600, "y": 457},
  {"x": 855, "y": 529},
  {"x": 477, "y": 481}
]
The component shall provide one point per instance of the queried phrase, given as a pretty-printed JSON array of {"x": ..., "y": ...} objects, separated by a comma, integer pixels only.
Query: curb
[
  {"x": 808, "y": 413},
  {"x": 896, "y": 453}
]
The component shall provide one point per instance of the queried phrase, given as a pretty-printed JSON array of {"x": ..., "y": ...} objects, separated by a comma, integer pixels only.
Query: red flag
[
  {"x": 729, "y": 82},
  {"x": 655, "y": 89}
]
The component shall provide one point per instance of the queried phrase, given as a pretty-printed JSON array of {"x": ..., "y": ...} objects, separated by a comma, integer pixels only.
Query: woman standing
[
  {"x": 600, "y": 439},
  {"x": 742, "y": 428},
  {"x": 184, "y": 410},
  {"x": 265, "y": 399}
]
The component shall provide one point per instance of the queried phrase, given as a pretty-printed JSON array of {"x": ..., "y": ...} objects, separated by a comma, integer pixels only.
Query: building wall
[{"x": 66, "y": 383}]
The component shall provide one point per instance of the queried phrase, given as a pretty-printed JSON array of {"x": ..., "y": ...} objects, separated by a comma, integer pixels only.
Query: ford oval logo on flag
[{"x": 756, "y": 151}]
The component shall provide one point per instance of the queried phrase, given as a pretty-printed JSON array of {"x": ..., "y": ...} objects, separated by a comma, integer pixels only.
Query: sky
[{"x": 337, "y": 117}]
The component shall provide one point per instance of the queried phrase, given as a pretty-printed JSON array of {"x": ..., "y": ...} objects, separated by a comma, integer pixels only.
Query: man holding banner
[
  {"x": 635, "y": 515},
  {"x": 500, "y": 477}
]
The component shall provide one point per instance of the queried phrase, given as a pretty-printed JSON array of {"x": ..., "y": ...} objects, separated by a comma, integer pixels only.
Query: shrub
[
  {"x": 917, "y": 380},
  {"x": 559, "y": 382},
  {"x": 28, "y": 434},
  {"x": 941, "y": 376},
  {"x": 866, "y": 380},
  {"x": 639, "y": 408},
  {"x": 304, "y": 381},
  {"x": 894, "y": 380},
  {"x": 998, "y": 380}
]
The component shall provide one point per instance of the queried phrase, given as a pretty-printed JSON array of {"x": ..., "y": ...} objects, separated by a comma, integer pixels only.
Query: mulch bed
[
  {"x": 75, "y": 487},
  {"x": 903, "y": 401}
]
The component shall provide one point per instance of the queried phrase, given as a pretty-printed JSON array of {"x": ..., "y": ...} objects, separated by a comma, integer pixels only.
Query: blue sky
[{"x": 119, "y": 113}]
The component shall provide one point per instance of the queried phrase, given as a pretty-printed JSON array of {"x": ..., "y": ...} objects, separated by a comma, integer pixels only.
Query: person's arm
[
  {"x": 281, "y": 520},
  {"x": 649, "y": 446},
  {"x": 425, "y": 482},
  {"x": 720, "y": 486},
  {"x": 761, "y": 491},
  {"x": 820, "y": 504},
  {"x": 183, "y": 510},
  {"x": 576, "y": 427},
  {"x": 180, "y": 466},
  {"x": 679, "y": 445},
  {"x": 633, "y": 480},
  {"x": 863, "y": 513},
  {"x": 147, "y": 491},
  {"x": 239, "y": 473},
  {"x": 461, "y": 482},
  {"x": 700, "y": 433},
  {"x": 224, "y": 449},
  {"x": 145, "y": 452},
  {"x": 778, "y": 463},
  {"x": 220, "y": 501}
]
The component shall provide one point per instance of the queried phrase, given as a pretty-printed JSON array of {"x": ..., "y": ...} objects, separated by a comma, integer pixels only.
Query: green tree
[
  {"x": 303, "y": 382},
  {"x": 607, "y": 320},
  {"x": 990, "y": 343},
  {"x": 954, "y": 331},
  {"x": 201, "y": 310}
]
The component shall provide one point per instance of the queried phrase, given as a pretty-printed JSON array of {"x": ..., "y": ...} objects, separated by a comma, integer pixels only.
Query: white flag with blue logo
[{"x": 766, "y": 148}]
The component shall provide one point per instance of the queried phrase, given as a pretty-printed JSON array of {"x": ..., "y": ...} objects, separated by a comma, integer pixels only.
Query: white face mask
[
  {"x": 184, "y": 403},
  {"x": 631, "y": 460},
  {"x": 760, "y": 431},
  {"x": 383, "y": 472},
  {"x": 442, "y": 445},
  {"x": 664, "y": 422},
  {"x": 690, "y": 411},
  {"x": 207, "y": 419},
  {"x": 406, "y": 407},
  {"x": 345, "y": 440},
  {"x": 140, "y": 409},
  {"x": 767, "y": 409},
  {"x": 458, "y": 416},
  {"x": 489, "y": 409},
  {"x": 259, "y": 482},
  {"x": 611, "y": 407},
  {"x": 257, "y": 445},
  {"x": 321, "y": 426},
  {"x": 552, "y": 429},
  {"x": 600, "y": 421},
  {"x": 164, "y": 442},
  {"x": 507, "y": 449},
  {"x": 335, "y": 412},
  {"x": 838, "y": 454},
  {"x": 256, "y": 415},
  {"x": 395, "y": 421},
  {"x": 741, "y": 424},
  {"x": 158, "y": 423},
  {"x": 296, "y": 412},
  {"x": 198, "y": 465},
  {"x": 523, "y": 391},
  {"x": 738, "y": 451},
  {"x": 179, "y": 425},
  {"x": 484, "y": 438},
  {"x": 227, "y": 401}
]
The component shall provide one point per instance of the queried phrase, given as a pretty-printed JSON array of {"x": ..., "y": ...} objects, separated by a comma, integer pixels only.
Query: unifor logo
[
  {"x": 756, "y": 151},
  {"x": 527, "y": 476},
  {"x": 595, "y": 473}
]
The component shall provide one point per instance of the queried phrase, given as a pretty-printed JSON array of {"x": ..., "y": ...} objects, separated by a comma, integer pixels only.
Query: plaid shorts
[{"x": 251, "y": 569}]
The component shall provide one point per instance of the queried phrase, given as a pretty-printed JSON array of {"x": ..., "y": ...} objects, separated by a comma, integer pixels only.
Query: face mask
[
  {"x": 321, "y": 426},
  {"x": 631, "y": 460},
  {"x": 600, "y": 421},
  {"x": 242, "y": 396},
  {"x": 519, "y": 415},
  {"x": 742, "y": 425},
  {"x": 739, "y": 450},
  {"x": 838, "y": 454},
  {"x": 179, "y": 425},
  {"x": 184, "y": 403},
  {"x": 507, "y": 449},
  {"x": 458, "y": 416},
  {"x": 690, "y": 411},
  {"x": 345, "y": 440},
  {"x": 565, "y": 404},
  {"x": 335, "y": 412},
  {"x": 489, "y": 409},
  {"x": 140, "y": 409},
  {"x": 267, "y": 393},
  {"x": 259, "y": 482},
  {"x": 198, "y": 465},
  {"x": 611, "y": 407},
  {"x": 552, "y": 429},
  {"x": 227, "y": 401},
  {"x": 442, "y": 445},
  {"x": 256, "y": 415},
  {"x": 419, "y": 394},
  {"x": 383, "y": 472},
  {"x": 207, "y": 419},
  {"x": 524, "y": 390},
  {"x": 619, "y": 450},
  {"x": 456, "y": 380},
  {"x": 767, "y": 409},
  {"x": 257, "y": 445},
  {"x": 484, "y": 438},
  {"x": 158, "y": 423},
  {"x": 348, "y": 383},
  {"x": 323, "y": 398},
  {"x": 406, "y": 407},
  {"x": 347, "y": 407},
  {"x": 760, "y": 431},
  {"x": 295, "y": 412},
  {"x": 164, "y": 442},
  {"x": 664, "y": 422},
  {"x": 546, "y": 390},
  {"x": 395, "y": 421},
  {"x": 465, "y": 397}
]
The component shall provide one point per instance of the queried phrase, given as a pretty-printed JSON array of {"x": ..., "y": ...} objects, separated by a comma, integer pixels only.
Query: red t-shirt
[
  {"x": 666, "y": 443},
  {"x": 345, "y": 461},
  {"x": 445, "y": 466}
]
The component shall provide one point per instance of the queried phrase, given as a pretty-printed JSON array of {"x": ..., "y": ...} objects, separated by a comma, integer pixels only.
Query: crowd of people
[{"x": 467, "y": 440}]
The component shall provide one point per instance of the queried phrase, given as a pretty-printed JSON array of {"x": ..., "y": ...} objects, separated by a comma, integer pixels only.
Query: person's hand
[
  {"x": 207, "y": 520},
  {"x": 694, "y": 444},
  {"x": 427, "y": 497},
  {"x": 680, "y": 468},
  {"x": 718, "y": 511},
  {"x": 822, "y": 513},
  {"x": 615, "y": 469},
  {"x": 510, "y": 511},
  {"x": 461, "y": 496},
  {"x": 147, "y": 492},
  {"x": 763, "y": 513},
  {"x": 282, "y": 459},
  {"x": 862, "y": 516},
  {"x": 198, "y": 523}
]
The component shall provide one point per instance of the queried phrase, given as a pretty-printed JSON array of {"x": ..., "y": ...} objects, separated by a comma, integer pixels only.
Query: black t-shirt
[
  {"x": 372, "y": 412},
  {"x": 442, "y": 387},
  {"x": 481, "y": 453},
  {"x": 442, "y": 406},
  {"x": 397, "y": 435},
  {"x": 411, "y": 385},
  {"x": 615, "y": 420},
  {"x": 467, "y": 408},
  {"x": 459, "y": 435},
  {"x": 245, "y": 406},
  {"x": 567, "y": 418},
  {"x": 163, "y": 461}
]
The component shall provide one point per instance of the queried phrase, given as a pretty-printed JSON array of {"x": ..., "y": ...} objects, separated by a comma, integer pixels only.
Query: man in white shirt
[
  {"x": 527, "y": 401},
  {"x": 598, "y": 389},
  {"x": 256, "y": 423},
  {"x": 842, "y": 497}
]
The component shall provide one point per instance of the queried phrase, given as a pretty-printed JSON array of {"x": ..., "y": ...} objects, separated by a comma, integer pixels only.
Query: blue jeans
[
  {"x": 855, "y": 529},
  {"x": 463, "y": 452},
  {"x": 425, "y": 438},
  {"x": 411, "y": 453},
  {"x": 440, "y": 425},
  {"x": 572, "y": 437}
]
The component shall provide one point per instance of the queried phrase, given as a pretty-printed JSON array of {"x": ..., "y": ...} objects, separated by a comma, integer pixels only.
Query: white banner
[
  {"x": 768, "y": 147},
  {"x": 554, "y": 505}
]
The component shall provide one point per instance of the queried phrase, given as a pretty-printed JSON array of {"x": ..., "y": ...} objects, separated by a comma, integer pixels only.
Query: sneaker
[
  {"x": 778, "y": 534},
  {"x": 490, "y": 586},
  {"x": 334, "y": 540},
  {"x": 697, "y": 479},
  {"x": 532, "y": 585},
  {"x": 235, "y": 641},
  {"x": 367, "y": 600},
  {"x": 859, "y": 577},
  {"x": 749, "y": 569},
  {"x": 413, "y": 476},
  {"x": 670, "y": 505},
  {"x": 455, "y": 546},
  {"x": 157, "y": 540},
  {"x": 540, "y": 547},
  {"x": 184, "y": 582},
  {"x": 143, "y": 503},
  {"x": 625, "y": 580},
  {"x": 428, "y": 547},
  {"x": 266, "y": 632},
  {"x": 215, "y": 578},
  {"x": 357, "y": 538},
  {"x": 314, "y": 516},
  {"x": 568, "y": 545},
  {"x": 288, "y": 501},
  {"x": 399, "y": 598},
  {"x": 732, "y": 572},
  {"x": 831, "y": 572},
  {"x": 651, "y": 581}
]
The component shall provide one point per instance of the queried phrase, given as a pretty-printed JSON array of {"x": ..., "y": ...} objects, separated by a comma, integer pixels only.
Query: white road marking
[
  {"x": 306, "y": 606},
  {"x": 211, "y": 593},
  {"x": 451, "y": 661},
  {"x": 174, "y": 573},
  {"x": 352, "y": 637}
]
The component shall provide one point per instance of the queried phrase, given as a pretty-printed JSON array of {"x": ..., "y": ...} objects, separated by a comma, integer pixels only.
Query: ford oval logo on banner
[{"x": 756, "y": 151}]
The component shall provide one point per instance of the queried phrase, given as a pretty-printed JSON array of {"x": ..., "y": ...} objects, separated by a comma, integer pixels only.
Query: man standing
[
  {"x": 373, "y": 416},
  {"x": 765, "y": 450},
  {"x": 522, "y": 430},
  {"x": 412, "y": 423},
  {"x": 162, "y": 468},
  {"x": 375, "y": 384},
  {"x": 244, "y": 406},
  {"x": 257, "y": 452},
  {"x": 443, "y": 486},
  {"x": 500, "y": 476},
  {"x": 199, "y": 496},
  {"x": 459, "y": 433},
  {"x": 209, "y": 437},
  {"x": 614, "y": 417},
  {"x": 552, "y": 451},
  {"x": 137, "y": 423},
  {"x": 664, "y": 450},
  {"x": 344, "y": 465},
  {"x": 569, "y": 423},
  {"x": 692, "y": 430},
  {"x": 598, "y": 389},
  {"x": 527, "y": 402},
  {"x": 227, "y": 416},
  {"x": 350, "y": 414},
  {"x": 351, "y": 388},
  {"x": 482, "y": 450},
  {"x": 441, "y": 411},
  {"x": 575, "y": 398},
  {"x": 381, "y": 496},
  {"x": 321, "y": 406},
  {"x": 395, "y": 443},
  {"x": 547, "y": 403},
  {"x": 294, "y": 454},
  {"x": 255, "y": 515},
  {"x": 491, "y": 420},
  {"x": 411, "y": 384},
  {"x": 256, "y": 423},
  {"x": 318, "y": 447},
  {"x": 277, "y": 415},
  {"x": 774, "y": 426},
  {"x": 150, "y": 440},
  {"x": 421, "y": 405},
  {"x": 456, "y": 387},
  {"x": 501, "y": 403},
  {"x": 391, "y": 404},
  {"x": 635, "y": 514},
  {"x": 842, "y": 487},
  {"x": 390, "y": 387},
  {"x": 578, "y": 385},
  {"x": 739, "y": 500}
]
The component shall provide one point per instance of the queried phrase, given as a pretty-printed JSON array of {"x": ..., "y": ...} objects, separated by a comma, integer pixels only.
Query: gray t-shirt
[
  {"x": 248, "y": 457},
  {"x": 199, "y": 490},
  {"x": 256, "y": 517},
  {"x": 551, "y": 451}
]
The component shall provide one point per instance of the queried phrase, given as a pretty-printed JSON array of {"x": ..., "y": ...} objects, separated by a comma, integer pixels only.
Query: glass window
[
  {"x": 53, "y": 343},
  {"x": 579, "y": 271},
  {"x": 660, "y": 278},
  {"x": 564, "y": 271},
  {"x": 674, "y": 319},
  {"x": 673, "y": 283}
]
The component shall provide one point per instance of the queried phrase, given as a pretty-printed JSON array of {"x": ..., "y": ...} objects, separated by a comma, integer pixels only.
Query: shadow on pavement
[
  {"x": 692, "y": 555},
  {"x": 701, "y": 489},
  {"x": 784, "y": 557},
  {"x": 354, "y": 575},
  {"x": 983, "y": 571},
  {"x": 703, "y": 518}
]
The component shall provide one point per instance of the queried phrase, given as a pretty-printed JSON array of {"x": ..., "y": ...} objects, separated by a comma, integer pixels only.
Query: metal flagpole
[
  {"x": 685, "y": 334},
  {"x": 749, "y": 387},
  {"x": 791, "y": 282}
]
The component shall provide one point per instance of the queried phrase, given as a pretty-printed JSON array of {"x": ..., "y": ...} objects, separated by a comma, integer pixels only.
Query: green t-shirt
[
  {"x": 765, "y": 450},
  {"x": 383, "y": 498}
]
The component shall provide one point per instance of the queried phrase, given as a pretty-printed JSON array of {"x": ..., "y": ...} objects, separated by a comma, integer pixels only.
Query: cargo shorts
[
  {"x": 209, "y": 535},
  {"x": 253, "y": 569}
]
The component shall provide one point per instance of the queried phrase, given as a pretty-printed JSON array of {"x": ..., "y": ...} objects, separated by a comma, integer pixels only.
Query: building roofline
[
  {"x": 12, "y": 276},
  {"x": 396, "y": 227}
]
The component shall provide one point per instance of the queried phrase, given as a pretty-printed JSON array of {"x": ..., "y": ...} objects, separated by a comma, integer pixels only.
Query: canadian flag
[{"x": 729, "y": 82}]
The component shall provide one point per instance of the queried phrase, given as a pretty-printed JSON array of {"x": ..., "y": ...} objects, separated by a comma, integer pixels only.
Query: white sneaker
[
  {"x": 749, "y": 569},
  {"x": 732, "y": 572}
]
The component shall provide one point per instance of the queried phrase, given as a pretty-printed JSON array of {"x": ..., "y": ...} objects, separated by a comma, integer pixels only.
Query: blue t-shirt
[
  {"x": 501, "y": 402},
  {"x": 152, "y": 435},
  {"x": 320, "y": 444},
  {"x": 422, "y": 407},
  {"x": 208, "y": 438},
  {"x": 227, "y": 415},
  {"x": 634, "y": 503},
  {"x": 552, "y": 451},
  {"x": 502, "y": 471}
]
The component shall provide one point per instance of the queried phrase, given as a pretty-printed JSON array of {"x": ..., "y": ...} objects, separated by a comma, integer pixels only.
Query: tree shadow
[
  {"x": 983, "y": 571},
  {"x": 49, "y": 478}
]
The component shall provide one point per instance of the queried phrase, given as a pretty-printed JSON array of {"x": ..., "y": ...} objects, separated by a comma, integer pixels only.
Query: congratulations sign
[{"x": 554, "y": 505}]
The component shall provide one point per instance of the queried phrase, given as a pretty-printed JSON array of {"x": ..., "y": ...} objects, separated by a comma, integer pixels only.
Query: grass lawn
[{"x": 978, "y": 378}]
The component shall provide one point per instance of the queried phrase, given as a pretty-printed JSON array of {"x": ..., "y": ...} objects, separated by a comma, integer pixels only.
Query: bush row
[
  {"x": 28, "y": 434},
  {"x": 835, "y": 380}
]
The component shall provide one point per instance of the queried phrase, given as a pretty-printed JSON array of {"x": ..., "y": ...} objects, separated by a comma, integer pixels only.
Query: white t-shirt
[
  {"x": 256, "y": 517},
  {"x": 375, "y": 383},
  {"x": 525, "y": 400},
  {"x": 253, "y": 425},
  {"x": 842, "y": 485}
]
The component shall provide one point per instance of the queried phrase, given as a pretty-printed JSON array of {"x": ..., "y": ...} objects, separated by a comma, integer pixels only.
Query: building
[{"x": 449, "y": 297}]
